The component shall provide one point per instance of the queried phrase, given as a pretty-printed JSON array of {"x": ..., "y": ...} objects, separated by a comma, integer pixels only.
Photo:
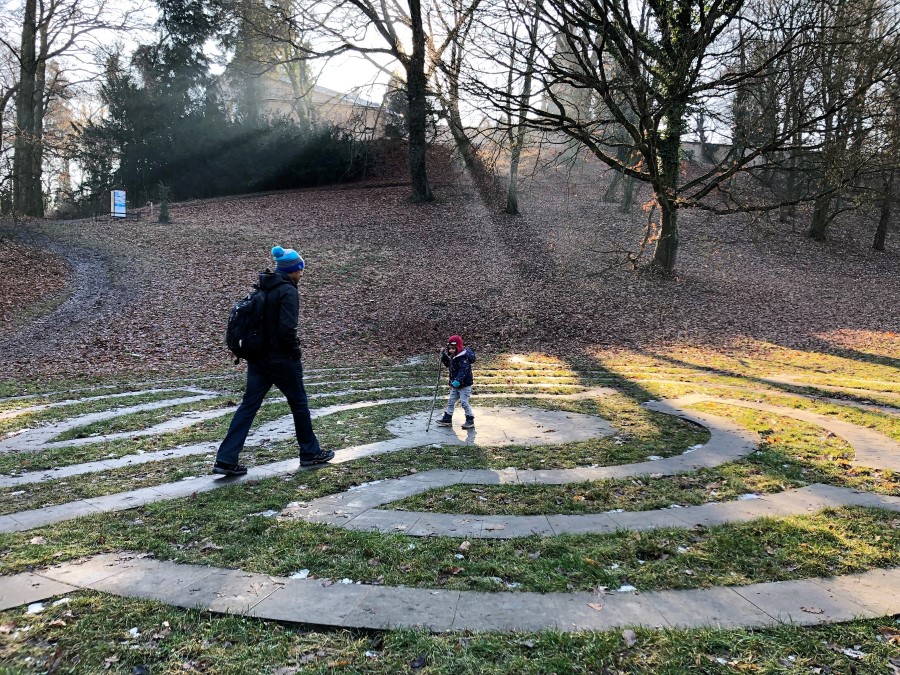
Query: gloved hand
[{"x": 455, "y": 384}]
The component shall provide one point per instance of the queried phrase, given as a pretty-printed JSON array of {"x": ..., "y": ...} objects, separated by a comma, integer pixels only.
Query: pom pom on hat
[{"x": 287, "y": 259}]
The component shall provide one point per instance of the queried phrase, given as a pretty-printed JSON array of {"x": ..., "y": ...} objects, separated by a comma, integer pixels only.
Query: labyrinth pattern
[{"x": 88, "y": 437}]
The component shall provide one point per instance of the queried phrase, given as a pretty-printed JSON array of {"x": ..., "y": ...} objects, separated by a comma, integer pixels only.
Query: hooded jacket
[
  {"x": 282, "y": 315},
  {"x": 460, "y": 366}
]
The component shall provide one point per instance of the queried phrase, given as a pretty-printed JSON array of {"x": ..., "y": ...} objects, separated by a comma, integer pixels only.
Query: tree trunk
[
  {"x": 36, "y": 207},
  {"x": 416, "y": 89},
  {"x": 887, "y": 206},
  {"x": 790, "y": 191},
  {"x": 610, "y": 194},
  {"x": 4, "y": 101},
  {"x": 667, "y": 192},
  {"x": 628, "y": 195},
  {"x": 454, "y": 120},
  {"x": 820, "y": 219},
  {"x": 512, "y": 190},
  {"x": 667, "y": 246},
  {"x": 23, "y": 158}
]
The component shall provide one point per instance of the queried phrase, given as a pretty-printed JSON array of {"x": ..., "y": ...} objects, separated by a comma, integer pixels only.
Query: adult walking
[{"x": 280, "y": 365}]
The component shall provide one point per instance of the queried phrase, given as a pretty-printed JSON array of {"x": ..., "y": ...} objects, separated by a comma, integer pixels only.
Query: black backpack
[{"x": 246, "y": 333}]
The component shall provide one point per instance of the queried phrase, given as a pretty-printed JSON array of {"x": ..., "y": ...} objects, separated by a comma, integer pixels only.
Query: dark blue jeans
[{"x": 287, "y": 375}]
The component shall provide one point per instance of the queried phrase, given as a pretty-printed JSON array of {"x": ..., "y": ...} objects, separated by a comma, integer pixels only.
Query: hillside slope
[{"x": 387, "y": 279}]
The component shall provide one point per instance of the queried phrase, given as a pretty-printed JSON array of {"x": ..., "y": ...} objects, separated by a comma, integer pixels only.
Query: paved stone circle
[
  {"x": 873, "y": 593},
  {"x": 505, "y": 426}
]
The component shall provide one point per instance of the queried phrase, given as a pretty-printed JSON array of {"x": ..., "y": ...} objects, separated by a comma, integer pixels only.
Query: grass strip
[{"x": 92, "y": 633}]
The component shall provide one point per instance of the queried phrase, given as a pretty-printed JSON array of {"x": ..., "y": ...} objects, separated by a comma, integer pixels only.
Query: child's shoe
[
  {"x": 446, "y": 421},
  {"x": 469, "y": 423}
]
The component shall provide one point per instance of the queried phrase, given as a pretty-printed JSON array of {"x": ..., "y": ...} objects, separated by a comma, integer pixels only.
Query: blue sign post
[{"x": 118, "y": 204}]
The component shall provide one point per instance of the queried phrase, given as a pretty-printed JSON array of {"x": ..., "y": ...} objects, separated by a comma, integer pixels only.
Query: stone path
[
  {"x": 510, "y": 425},
  {"x": 853, "y": 391},
  {"x": 806, "y": 602},
  {"x": 15, "y": 412},
  {"x": 874, "y": 593},
  {"x": 794, "y": 381},
  {"x": 356, "y": 509},
  {"x": 277, "y": 430},
  {"x": 872, "y": 449},
  {"x": 31, "y": 440}
]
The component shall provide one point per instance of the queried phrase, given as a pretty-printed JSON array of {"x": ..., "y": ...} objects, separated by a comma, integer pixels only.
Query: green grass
[
  {"x": 340, "y": 430},
  {"x": 138, "y": 421},
  {"x": 205, "y": 431},
  {"x": 754, "y": 359},
  {"x": 792, "y": 455},
  {"x": 641, "y": 493},
  {"x": 62, "y": 413},
  {"x": 347, "y": 429},
  {"x": 828, "y": 543},
  {"x": 90, "y": 634},
  {"x": 639, "y": 433},
  {"x": 65, "y": 388},
  {"x": 221, "y": 528}
]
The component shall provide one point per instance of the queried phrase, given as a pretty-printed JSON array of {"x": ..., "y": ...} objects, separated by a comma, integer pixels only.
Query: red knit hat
[{"x": 455, "y": 340}]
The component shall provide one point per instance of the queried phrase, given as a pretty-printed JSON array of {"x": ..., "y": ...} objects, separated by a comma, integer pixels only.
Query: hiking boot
[
  {"x": 446, "y": 421},
  {"x": 226, "y": 469},
  {"x": 321, "y": 458},
  {"x": 469, "y": 423}
]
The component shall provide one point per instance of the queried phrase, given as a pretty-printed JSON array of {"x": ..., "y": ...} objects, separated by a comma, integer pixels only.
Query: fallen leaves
[
  {"x": 368, "y": 242},
  {"x": 55, "y": 661},
  {"x": 26, "y": 280},
  {"x": 889, "y": 634}
]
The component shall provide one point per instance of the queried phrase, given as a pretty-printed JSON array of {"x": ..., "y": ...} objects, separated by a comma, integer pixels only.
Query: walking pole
[{"x": 434, "y": 398}]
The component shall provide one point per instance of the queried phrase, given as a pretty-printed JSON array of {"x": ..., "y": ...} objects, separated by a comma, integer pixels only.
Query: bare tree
[
  {"x": 8, "y": 85},
  {"x": 517, "y": 122},
  {"x": 26, "y": 170},
  {"x": 889, "y": 155},
  {"x": 850, "y": 62},
  {"x": 265, "y": 47},
  {"x": 50, "y": 30},
  {"x": 624, "y": 79},
  {"x": 450, "y": 23},
  {"x": 374, "y": 29}
]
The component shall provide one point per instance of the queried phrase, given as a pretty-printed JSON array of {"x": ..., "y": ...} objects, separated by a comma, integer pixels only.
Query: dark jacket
[
  {"x": 460, "y": 366},
  {"x": 282, "y": 315}
]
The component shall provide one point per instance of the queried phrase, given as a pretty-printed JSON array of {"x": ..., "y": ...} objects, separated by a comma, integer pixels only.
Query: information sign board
[{"x": 118, "y": 204}]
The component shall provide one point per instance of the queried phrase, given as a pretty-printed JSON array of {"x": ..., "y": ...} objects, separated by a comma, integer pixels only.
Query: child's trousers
[{"x": 462, "y": 395}]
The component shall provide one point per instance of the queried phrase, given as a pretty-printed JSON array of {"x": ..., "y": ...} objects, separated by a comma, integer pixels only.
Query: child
[{"x": 459, "y": 360}]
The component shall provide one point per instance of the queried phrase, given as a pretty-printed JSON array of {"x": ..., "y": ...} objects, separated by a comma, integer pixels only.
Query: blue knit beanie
[{"x": 287, "y": 260}]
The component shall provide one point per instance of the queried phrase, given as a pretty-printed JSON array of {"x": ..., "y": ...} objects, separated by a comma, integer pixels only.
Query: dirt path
[{"x": 94, "y": 296}]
